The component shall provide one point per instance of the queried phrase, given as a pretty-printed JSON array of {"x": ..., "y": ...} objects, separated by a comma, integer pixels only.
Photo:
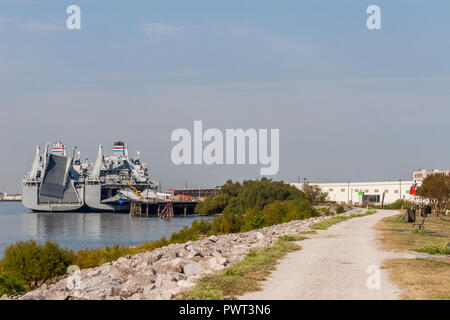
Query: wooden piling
[
  {"x": 167, "y": 212},
  {"x": 135, "y": 209}
]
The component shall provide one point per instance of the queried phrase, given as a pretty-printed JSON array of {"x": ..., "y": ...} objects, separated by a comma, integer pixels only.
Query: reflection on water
[{"x": 83, "y": 230}]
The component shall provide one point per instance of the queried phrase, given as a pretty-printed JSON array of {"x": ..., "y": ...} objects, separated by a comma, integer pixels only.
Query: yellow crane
[{"x": 136, "y": 191}]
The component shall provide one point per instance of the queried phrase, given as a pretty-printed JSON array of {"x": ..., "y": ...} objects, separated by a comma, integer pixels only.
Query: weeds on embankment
[
  {"x": 244, "y": 276},
  {"x": 325, "y": 224}
]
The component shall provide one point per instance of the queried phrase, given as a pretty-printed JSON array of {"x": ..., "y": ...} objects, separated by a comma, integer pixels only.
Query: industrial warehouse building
[
  {"x": 386, "y": 192},
  {"x": 365, "y": 192}
]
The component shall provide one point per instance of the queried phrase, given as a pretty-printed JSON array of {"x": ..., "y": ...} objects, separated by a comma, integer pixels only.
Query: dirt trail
[{"x": 333, "y": 264}]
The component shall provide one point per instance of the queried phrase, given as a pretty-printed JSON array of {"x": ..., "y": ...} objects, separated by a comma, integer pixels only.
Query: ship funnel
[
  {"x": 119, "y": 148},
  {"x": 59, "y": 149}
]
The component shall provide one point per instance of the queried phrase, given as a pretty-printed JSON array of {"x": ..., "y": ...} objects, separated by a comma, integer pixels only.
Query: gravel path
[{"x": 333, "y": 264}]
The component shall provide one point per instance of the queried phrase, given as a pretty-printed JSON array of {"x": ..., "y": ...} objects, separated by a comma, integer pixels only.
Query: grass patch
[
  {"x": 367, "y": 213},
  {"x": 245, "y": 275},
  {"x": 309, "y": 232},
  {"x": 292, "y": 237},
  {"x": 399, "y": 235},
  {"x": 433, "y": 249},
  {"x": 421, "y": 279},
  {"x": 325, "y": 224}
]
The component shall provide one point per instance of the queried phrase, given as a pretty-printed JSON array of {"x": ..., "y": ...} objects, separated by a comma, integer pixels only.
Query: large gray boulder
[
  {"x": 164, "y": 282},
  {"x": 193, "y": 269}
]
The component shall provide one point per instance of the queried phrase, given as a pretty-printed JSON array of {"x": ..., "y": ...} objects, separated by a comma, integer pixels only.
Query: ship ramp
[{"x": 56, "y": 187}]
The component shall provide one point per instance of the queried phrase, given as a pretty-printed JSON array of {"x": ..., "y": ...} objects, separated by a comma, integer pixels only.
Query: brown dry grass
[
  {"x": 421, "y": 279},
  {"x": 399, "y": 235}
]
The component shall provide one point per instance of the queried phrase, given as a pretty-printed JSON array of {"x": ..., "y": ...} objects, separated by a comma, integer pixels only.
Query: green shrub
[
  {"x": 326, "y": 211},
  {"x": 234, "y": 220},
  {"x": 10, "y": 285},
  {"x": 314, "y": 194},
  {"x": 90, "y": 258},
  {"x": 233, "y": 217},
  {"x": 254, "y": 219},
  {"x": 250, "y": 194},
  {"x": 151, "y": 245},
  {"x": 398, "y": 204},
  {"x": 35, "y": 263},
  {"x": 340, "y": 209},
  {"x": 197, "y": 229},
  {"x": 434, "y": 249},
  {"x": 285, "y": 211}
]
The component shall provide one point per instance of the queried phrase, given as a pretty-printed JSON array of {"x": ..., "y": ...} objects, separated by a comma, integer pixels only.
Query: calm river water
[{"x": 83, "y": 230}]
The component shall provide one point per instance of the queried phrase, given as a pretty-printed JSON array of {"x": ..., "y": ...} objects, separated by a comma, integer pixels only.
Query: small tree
[
  {"x": 35, "y": 263},
  {"x": 314, "y": 194},
  {"x": 10, "y": 285},
  {"x": 436, "y": 189}
]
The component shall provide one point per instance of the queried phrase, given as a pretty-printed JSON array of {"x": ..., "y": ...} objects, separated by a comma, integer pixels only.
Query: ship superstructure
[
  {"x": 115, "y": 180},
  {"x": 55, "y": 182}
]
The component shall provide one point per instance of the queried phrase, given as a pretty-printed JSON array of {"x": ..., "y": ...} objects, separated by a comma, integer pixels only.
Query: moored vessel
[
  {"x": 55, "y": 182},
  {"x": 115, "y": 180}
]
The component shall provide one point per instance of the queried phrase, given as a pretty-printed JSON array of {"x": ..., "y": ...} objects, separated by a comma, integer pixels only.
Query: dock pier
[{"x": 161, "y": 208}]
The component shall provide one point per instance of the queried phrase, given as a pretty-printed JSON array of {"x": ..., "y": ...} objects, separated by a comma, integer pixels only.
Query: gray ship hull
[
  {"x": 93, "y": 198},
  {"x": 30, "y": 200}
]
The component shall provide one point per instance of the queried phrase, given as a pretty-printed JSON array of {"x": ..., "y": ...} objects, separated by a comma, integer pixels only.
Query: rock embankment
[{"x": 164, "y": 272}]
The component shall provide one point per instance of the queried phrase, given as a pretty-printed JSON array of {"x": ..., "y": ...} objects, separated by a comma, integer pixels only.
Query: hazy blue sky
[{"x": 351, "y": 104}]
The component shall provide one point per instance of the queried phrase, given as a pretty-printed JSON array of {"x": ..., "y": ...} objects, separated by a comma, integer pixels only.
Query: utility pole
[
  {"x": 400, "y": 195},
  {"x": 348, "y": 192}
]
